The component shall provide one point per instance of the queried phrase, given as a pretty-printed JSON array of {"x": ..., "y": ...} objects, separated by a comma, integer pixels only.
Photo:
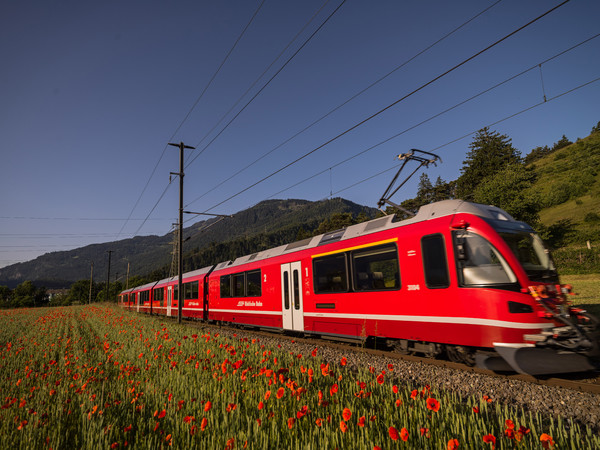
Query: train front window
[
  {"x": 479, "y": 263},
  {"x": 533, "y": 255}
]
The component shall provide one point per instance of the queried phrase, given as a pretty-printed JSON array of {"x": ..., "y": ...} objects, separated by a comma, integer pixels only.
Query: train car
[{"x": 459, "y": 278}]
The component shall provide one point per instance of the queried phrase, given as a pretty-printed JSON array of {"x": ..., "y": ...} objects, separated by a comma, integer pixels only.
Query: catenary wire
[
  {"x": 268, "y": 82},
  {"x": 187, "y": 116},
  {"x": 306, "y": 128},
  {"x": 362, "y": 152},
  {"x": 260, "y": 76},
  {"x": 545, "y": 101},
  {"x": 343, "y": 133}
]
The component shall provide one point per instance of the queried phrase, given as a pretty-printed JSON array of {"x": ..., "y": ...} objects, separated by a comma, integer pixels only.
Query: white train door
[
  {"x": 169, "y": 299},
  {"x": 291, "y": 296}
]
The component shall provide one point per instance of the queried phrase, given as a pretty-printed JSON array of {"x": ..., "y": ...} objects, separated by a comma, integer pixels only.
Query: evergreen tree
[
  {"x": 490, "y": 152},
  {"x": 425, "y": 191}
]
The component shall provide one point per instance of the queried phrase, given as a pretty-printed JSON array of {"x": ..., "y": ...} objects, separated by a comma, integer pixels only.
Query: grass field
[
  {"x": 97, "y": 377},
  {"x": 587, "y": 288}
]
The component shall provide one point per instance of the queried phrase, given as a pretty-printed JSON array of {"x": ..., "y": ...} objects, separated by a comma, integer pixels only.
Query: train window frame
[
  {"x": 158, "y": 295},
  {"x": 367, "y": 281},
  {"x": 512, "y": 282},
  {"x": 190, "y": 290},
  {"x": 225, "y": 286},
  {"x": 238, "y": 290},
  {"x": 429, "y": 268},
  {"x": 254, "y": 283},
  {"x": 318, "y": 275}
]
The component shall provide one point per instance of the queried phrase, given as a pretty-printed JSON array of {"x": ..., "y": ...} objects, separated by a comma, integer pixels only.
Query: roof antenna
[{"x": 430, "y": 158}]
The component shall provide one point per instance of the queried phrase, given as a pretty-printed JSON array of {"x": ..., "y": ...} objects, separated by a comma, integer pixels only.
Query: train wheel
[
  {"x": 460, "y": 354},
  {"x": 401, "y": 346}
]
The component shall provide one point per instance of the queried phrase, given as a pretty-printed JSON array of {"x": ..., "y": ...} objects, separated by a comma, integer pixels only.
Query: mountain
[{"x": 270, "y": 219}]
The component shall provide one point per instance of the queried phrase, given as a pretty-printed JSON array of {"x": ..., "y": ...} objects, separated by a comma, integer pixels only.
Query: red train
[{"x": 460, "y": 278}]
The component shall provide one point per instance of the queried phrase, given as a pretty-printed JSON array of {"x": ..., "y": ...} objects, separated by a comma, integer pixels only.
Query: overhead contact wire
[{"x": 362, "y": 122}]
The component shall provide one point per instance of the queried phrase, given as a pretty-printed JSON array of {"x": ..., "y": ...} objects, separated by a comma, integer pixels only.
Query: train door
[
  {"x": 169, "y": 299},
  {"x": 138, "y": 296},
  {"x": 291, "y": 296}
]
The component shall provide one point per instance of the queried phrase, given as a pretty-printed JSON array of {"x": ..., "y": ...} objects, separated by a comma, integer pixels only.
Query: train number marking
[
  {"x": 414, "y": 287},
  {"x": 411, "y": 253}
]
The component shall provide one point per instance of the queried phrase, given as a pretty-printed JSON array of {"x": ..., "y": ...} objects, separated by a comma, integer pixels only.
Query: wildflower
[
  {"x": 319, "y": 422},
  {"x": 361, "y": 421},
  {"x": 193, "y": 430},
  {"x": 546, "y": 440},
  {"x": 343, "y": 426},
  {"x": 490, "y": 439},
  {"x": 346, "y": 414},
  {"x": 126, "y": 429},
  {"x": 425, "y": 432},
  {"x": 203, "y": 424},
  {"x": 280, "y": 392},
  {"x": 261, "y": 405},
  {"x": 267, "y": 395},
  {"x": 290, "y": 422},
  {"x": 433, "y": 404},
  {"x": 380, "y": 378},
  {"x": 452, "y": 444},
  {"x": 333, "y": 389},
  {"x": 343, "y": 361},
  {"x": 391, "y": 367},
  {"x": 162, "y": 414},
  {"x": 475, "y": 409},
  {"x": 414, "y": 394},
  {"x": 393, "y": 433},
  {"x": 314, "y": 353},
  {"x": 404, "y": 434},
  {"x": 398, "y": 403},
  {"x": 207, "y": 406},
  {"x": 325, "y": 369},
  {"x": 395, "y": 389},
  {"x": 509, "y": 424}
]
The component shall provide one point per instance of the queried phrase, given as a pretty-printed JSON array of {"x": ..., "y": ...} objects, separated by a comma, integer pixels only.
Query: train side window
[
  {"x": 435, "y": 264},
  {"x": 238, "y": 285},
  {"x": 190, "y": 290},
  {"x": 330, "y": 274},
  {"x": 376, "y": 268},
  {"x": 253, "y": 286},
  {"x": 226, "y": 286}
]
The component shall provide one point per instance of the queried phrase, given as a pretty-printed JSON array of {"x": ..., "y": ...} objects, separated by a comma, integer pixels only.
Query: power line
[
  {"x": 187, "y": 116},
  {"x": 260, "y": 76},
  {"x": 362, "y": 122},
  {"x": 379, "y": 80},
  {"x": 267, "y": 83},
  {"x": 485, "y": 91},
  {"x": 545, "y": 101}
]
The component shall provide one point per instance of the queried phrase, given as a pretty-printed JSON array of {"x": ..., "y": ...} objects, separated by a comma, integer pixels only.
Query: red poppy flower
[
  {"x": 546, "y": 440},
  {"x": 261, "y": 405},
  {"x": 207, "y": 406},
  {"x": 343, "y": 361},
  {"x": 393, "y": 433},
  {"x": 343, "y": 427},
  {"x": 414, "y": 394},
  {"x": 333, "y": 389},
  {"x": 290, "y": 422},
  {"x": 509, "y": 433},
  {"x": 404, "y": 434},
  {"x": 390, "y": 367},
  {"x": 433, "y": 404},
  {"x": 380, "y": 378},
  {"x": 314, "y": 353},
  {"x": 398, "y": 403},
  {"x": 376, "y": 448},
  {"x": 452, "y": 444},
  {"x": 319, "y": 422},
  {"x": 425, "y": 432},
  {"x": 395, "y": 389},
  {"x": 346, "y": 414},
  {"x": 193, "y": 430},
  {"x": 490, "y": 439},
  {"x": 267, "y": 395},
  {"x": 280, "y": 392},
  {"x": 126, "y": 429},
  {"x": 162, "y": 414},
  {"x": 510, "y": 424},
  {"x": 325, "y": 369},
  {"x": 475, "y": 409},
  {"x": 203, "y": 423},
  {"x": 361, "y": 421}
]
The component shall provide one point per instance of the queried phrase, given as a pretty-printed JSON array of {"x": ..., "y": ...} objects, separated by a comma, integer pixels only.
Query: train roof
[{"x": 427, "y": 212}]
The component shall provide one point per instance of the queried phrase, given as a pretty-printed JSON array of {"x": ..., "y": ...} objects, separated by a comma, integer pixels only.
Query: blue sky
[{"x": 91, "y": 92}]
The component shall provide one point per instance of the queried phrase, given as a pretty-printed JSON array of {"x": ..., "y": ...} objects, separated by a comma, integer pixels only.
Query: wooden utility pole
[
  {"x": 91, "y": 282},
  {"x": 108, "y": 276},
  {"x": 180, "y": 299}
]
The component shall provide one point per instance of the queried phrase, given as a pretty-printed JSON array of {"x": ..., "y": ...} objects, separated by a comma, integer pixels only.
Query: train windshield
[{"x": 533, "y": 255}]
